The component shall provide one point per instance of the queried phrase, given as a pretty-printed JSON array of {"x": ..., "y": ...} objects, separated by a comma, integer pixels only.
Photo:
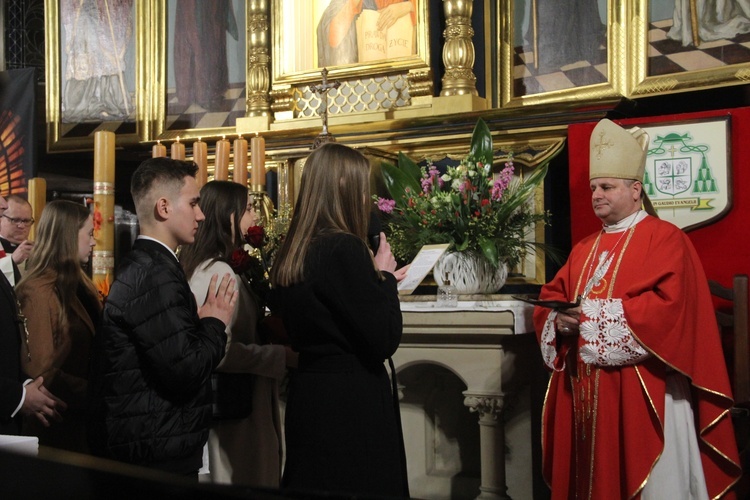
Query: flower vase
[{"x": 470, "y": 273}]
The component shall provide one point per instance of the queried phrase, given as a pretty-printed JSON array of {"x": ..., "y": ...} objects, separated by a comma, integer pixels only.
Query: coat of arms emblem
[{"x": 687, "y": 172}]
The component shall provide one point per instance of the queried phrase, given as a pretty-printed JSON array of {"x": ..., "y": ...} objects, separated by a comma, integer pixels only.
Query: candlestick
[
  {"x": 258, "y": 159},
  {"x": 103, "y": 257},
  {"x": 178, "y": 150},
  {"x": 159, "y": 150},
  {"x": 200, "y": 157},
  {"x": 37, "y": 199},
  {"x": 240, "y": 161},
  {"x": 221, "y": 173}
]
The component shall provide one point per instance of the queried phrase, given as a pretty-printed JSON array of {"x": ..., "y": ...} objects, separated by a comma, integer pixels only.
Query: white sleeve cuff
[
  {"x": 548, "y": 341},
  {"x": 6, "y": 266},
  {"x": 23, "y": 397},
  {"x": 607, "y": 339}
]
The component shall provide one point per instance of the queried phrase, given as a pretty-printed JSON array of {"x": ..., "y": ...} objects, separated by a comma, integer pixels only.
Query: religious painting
[
  {"x": 204, "y": 91},
  {"x": 555, "y": 50},
  {"x": 687, "y": 44},
  {"x": 349, "y": 37},
  {"x": 688, "y": 175},
  {"x": 92, "y": 70}
]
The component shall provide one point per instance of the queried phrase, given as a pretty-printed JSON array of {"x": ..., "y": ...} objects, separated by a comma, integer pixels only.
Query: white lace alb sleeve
[
  {"x": 547, "y": 343},
  {"x": 607, "y": 340}
]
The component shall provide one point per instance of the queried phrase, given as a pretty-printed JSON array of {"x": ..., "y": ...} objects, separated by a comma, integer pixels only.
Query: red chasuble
[{"x": 603, "y": 422}]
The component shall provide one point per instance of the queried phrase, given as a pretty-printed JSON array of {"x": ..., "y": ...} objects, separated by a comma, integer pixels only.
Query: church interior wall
[{"x": 443, "y": 436}]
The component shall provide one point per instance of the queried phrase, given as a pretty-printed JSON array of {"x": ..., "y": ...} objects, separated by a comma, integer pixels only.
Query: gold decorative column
[
  {"x": 258, "y": 76},
  {"x": 103, "y": 261},
  {"x": 37, "y": 199},
  {"x": 458, "y": 51}
]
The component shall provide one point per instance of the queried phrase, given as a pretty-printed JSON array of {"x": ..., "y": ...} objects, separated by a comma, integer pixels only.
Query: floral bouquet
[
  {"x": 469, "y": 206},
  {"x": 254, "y": 261}
]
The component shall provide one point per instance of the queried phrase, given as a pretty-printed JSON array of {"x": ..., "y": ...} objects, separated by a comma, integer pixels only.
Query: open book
[{"x": 375, "y": 45}]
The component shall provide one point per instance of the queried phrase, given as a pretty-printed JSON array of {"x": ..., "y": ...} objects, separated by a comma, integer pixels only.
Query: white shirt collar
[
  {"x": 144, "y": 237},
  {"x": 626, "y": 223}
]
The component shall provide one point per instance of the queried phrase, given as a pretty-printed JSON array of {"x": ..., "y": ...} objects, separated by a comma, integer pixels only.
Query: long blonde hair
[
  {"x": 55, "y": 254},
  {"x": 333, "y": 198}
]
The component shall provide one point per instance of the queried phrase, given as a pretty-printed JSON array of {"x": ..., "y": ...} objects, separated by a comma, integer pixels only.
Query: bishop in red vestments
[{"x": 638, "y": 402}]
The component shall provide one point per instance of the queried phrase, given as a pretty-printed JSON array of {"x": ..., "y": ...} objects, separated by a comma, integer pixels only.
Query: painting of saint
[
  {"x": 341, "y": 39},
  {"x": 716, "y": 19},
  {"x": 206, "y": 65},
  {"x": 559, "y": 44},
  {"x": 97, "y": 60},
  {"x": 200, "y": 50},
  {"x": 722, "y": 36}
]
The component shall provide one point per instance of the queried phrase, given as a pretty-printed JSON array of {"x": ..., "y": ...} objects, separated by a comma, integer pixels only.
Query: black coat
[
  {"x": 9, "y": 249},
  {"x": 152, "y": 361},
  {"x": 341, "y": 429},
  {"x": 11, "y": 377}
]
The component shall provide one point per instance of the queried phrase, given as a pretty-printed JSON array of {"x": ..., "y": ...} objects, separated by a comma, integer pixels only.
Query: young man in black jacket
[{"x": 154, "y": 354}]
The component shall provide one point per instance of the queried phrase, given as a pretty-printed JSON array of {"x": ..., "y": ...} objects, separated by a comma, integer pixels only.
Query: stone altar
[{"x": 476, "y": 363}]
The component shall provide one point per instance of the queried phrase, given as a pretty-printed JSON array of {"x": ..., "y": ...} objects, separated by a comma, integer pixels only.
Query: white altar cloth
[{"x": 522, "y": 312}]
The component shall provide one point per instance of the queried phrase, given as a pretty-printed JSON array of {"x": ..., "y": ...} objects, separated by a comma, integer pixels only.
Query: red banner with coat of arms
[{"x": 694, "y": 178}]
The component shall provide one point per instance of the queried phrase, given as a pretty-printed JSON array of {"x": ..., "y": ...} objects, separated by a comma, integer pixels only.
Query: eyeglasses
[{"x": 20, "y": 222}]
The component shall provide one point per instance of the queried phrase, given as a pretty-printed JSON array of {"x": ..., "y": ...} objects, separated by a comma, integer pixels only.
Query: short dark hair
[{"x": 160, "y": 170}]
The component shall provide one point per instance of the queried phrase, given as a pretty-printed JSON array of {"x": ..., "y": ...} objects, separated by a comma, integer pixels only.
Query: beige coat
[
  {"x": 246, "y": 451},
  {"x": 61, "y": 356}
]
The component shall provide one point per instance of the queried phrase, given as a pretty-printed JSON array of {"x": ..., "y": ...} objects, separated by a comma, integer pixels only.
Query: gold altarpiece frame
[
  {"x": 299, "y": 54},
  {"x": 520, "y": 28},
  {"x": 141, "y": 67},
  {"x": 295, "y": 41},
  {"x": 697, "y": 64},
  {"x": 124, "y": 55}
]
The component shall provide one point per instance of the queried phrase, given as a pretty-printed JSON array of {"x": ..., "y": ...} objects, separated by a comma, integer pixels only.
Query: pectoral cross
[{"x": 322, "y": 89}]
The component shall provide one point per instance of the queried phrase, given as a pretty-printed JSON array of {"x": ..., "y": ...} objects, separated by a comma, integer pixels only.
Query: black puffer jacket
[{"x": 152, "y": 362}]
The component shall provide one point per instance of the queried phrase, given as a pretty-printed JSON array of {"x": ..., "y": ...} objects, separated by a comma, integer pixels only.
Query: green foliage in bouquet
[{"x": 468, "y": 206}]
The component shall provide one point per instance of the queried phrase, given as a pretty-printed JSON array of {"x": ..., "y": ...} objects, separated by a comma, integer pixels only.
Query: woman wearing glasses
[{"x": 62, "y": 308}]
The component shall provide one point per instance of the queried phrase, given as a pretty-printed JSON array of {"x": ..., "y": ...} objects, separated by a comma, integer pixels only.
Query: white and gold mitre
[{"x": 617, "y": 152}]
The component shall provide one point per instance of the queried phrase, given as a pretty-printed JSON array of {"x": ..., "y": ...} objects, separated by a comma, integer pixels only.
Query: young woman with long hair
[
  {"x": 340, "y": 307},
  {"x": 62, "y": 309},
  {"x": 244, "y": 442}
]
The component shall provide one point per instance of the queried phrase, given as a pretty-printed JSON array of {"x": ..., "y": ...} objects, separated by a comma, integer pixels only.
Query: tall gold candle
[
  {"x": 200, "y": 157},
  {"x": 159, "y": 150},
  {"x": 37, "y": 199},
  {"x": 221, "y": 173},
  {"x": 240, "y": 161},
  {"x": 178, "y": 150},
  {"x": 103, "y": 260},
  {"x": 258, "y": 161}
]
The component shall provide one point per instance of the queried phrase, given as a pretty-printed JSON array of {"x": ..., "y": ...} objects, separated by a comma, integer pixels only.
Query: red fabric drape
[{"x": 723, "y": 246}]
